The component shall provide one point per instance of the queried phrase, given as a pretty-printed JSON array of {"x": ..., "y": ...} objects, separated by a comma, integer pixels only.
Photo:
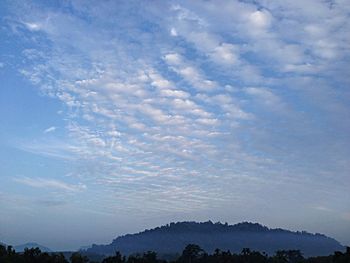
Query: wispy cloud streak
[{"x": 47, "y": 183}]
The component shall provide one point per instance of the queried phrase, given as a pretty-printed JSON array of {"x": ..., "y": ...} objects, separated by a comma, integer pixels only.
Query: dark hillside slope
[{"x": 172, "y": 238}]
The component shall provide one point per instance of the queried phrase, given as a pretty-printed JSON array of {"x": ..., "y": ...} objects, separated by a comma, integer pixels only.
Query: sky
[{"x": 117, "y": 116}]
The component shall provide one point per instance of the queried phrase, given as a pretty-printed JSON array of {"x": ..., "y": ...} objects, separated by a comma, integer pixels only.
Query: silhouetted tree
[
  {"x": 248, "y": 256},
  {"x": 114, "y": 259},
  {"x": 32, "y": 255},
  {"x": 288, "y": 256},
  {"x": 150, "y": 257},
  {"x": 340, "y": 257},
  {"x": 76, "y": 257},
  {"x": 191, "y": 253}
]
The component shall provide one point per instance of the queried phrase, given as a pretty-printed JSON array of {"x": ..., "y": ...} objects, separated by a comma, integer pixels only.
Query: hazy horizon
[
  {"x": 162, "y": 225},
  {"x": 117, "y": 116}
]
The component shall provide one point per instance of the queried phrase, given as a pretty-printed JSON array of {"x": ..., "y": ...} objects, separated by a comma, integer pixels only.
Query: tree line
[{"x": 191, "y": 254}]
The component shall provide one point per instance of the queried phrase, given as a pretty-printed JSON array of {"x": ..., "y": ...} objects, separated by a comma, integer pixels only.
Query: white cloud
[
  {"x": 190, "y": 73},
  {"x": 50, "y": 129},
  {"x": 174, "y": 93},
  {"x": 173, "y": 32},
  {"x": 260, "y": 19},
  {"x": 173, "y": 59},
  {"x": 226, "y": 54},
  {"x": 207, "y": 121},
  {"x": 33, "y": 26}
]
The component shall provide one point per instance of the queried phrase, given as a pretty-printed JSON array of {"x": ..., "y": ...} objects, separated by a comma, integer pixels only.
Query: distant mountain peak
[{"x": 29, "y": 245}]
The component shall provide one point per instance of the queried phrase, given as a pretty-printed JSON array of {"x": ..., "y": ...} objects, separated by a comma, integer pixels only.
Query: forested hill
[{"x": 172, "y": 238}]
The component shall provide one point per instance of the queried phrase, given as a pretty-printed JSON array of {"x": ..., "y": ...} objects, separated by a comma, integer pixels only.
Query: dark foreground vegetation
[{"x": 191, "y": 254}]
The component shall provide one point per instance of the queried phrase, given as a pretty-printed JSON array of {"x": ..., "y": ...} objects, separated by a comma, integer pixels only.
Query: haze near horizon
[{"x": 117, "y": 116}]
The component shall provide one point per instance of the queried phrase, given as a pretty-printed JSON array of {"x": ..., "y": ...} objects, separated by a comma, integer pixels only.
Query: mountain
[
  {"x": 83, "y": 248},
  {"x": 172, "y": 238},
  {"x": 20, "y": 248}
]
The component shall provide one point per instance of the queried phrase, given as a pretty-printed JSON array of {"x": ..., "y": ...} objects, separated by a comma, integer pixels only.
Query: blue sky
[{"x": 122, "y": 115}]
